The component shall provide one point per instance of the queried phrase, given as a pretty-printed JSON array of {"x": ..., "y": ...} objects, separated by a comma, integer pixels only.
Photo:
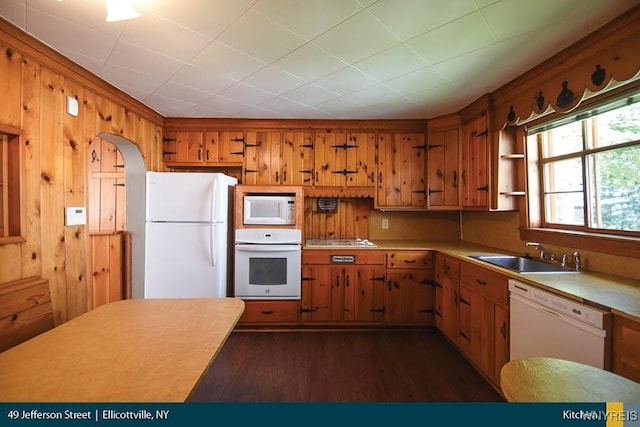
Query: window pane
[
  {"x": 563, "y": 140},
  {"x": 614, "y": 199},
  {"x": 563, "y": 189},
  {"x": 617, "y": 126}
]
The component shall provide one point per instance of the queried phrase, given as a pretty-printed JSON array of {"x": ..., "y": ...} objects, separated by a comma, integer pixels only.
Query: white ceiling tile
[
  {"x": 261, "y": 113},
  {"x": 160, "y": 35},
  {"x": 416, "y": 81},
  {"x": 205, "y": 17},
  {"x": 87, "y": 14},
  {"x": 121, "y": 77},
  {"x": 221, "y": 60},
  {"x": 200, "y": 78},
  {"x": 259, "y": 37},
  {"x": 512, "y": 17},
  {"x": 220, "y": 103},
  {"x": 309, "y": 62},
  {"x": 91, "y": 43},
  {"x": 346, "y": 80},
  {"x": 600, "y": 12},
  {"x": 157, "y": 67},
  {"x": 373, "y": 95},
  {"x": 202, "y": 111},
  {"x": 245, "y": 94},
  {"x": 367, "y": 36},
  {"x": 410, "y": 18},
  {"x": 169, "y": 107},
  {"x": 342, "y": 107},
  {"x": 294, "y": 14},
  {"x": 310, "y": 94},
  {"x": 274, "y": 80},
  {"x": 463, "y": 35},
  {"x": 177, "y": 91},
  {"x": 14, "y": 11},
  {"x": 391, "y": 63},
  {"x": 299, "y": 57}
]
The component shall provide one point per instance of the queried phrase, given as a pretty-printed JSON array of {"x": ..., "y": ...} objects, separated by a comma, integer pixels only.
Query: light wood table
[
  {"x": 543, "y": 379},
  {"x": 137, "y": 350}
]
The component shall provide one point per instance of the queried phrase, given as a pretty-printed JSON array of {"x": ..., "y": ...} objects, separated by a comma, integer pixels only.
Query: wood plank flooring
[{"x": 342, "y": 366}]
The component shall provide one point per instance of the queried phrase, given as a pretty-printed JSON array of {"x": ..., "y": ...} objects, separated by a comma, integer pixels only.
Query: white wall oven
[{"x": 268, "y": 263}]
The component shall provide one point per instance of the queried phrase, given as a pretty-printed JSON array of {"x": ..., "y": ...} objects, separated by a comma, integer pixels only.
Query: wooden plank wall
[{"x": 35, "y": 82}]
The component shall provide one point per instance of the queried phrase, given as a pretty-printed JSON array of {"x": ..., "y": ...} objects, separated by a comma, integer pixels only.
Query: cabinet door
[
  {"x": 500, "y": 341},
  {"x": 230, "y": 147},
  {"x": 401, "y": 170},
  {"x": 262, "y": 159},
  {"x": 195, "y": 147},
  {"x": 369, "y": 294},
  {"x": 317, "y": 302},
  {"x": 360, "y": 152},
  {"x": 344, "y": 284},
  {"x": 409, "y": 296},
  {"x": 626, "y": 348},
  {"x": 330, "y": 159},
  {"x": 443, "y": 160},
  {"x": 297, "y": 158},
  {"x": 175, "y": 147},
  {"x": 449, "y": 308},
  {"x": 475, "y": 159}
]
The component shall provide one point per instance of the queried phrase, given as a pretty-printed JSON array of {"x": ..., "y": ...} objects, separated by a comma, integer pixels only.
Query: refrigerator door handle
[
  {"x": 212, "y": 249},
  {"x": 214, "y": 220}
]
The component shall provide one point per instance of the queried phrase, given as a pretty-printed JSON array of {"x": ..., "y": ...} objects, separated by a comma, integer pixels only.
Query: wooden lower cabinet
[
  {"x": 409, "y": 297},
  {"x": 447, "y": 298},
  {"x": 270, "y": 312},
  {"x": 484, "y": 319},
  {"x": 626, "y": 348},
  {"x": 351, "y": 291}
]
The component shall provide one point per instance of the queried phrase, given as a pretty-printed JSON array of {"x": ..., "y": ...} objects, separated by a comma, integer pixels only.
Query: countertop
[
  {"x": 136, "y": 350},
  {"x": 619, "y": 294}
]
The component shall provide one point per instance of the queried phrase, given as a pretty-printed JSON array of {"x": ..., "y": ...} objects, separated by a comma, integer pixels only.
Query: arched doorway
[{"x": 116, "y": 208}]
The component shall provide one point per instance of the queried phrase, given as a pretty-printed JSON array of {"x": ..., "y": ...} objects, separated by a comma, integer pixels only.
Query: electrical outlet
[{"x": 385, "y": 224}]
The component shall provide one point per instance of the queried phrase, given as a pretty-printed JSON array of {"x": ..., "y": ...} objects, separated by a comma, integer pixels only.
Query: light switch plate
[
  {"x": 72, "y": 106},
  {"x": 76, "y": 215}
]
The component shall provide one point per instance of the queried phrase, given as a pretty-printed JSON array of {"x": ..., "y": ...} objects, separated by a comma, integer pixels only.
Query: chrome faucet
[
  {"x": 576, "y": 260},
  {"x": 544, "y": 254}
]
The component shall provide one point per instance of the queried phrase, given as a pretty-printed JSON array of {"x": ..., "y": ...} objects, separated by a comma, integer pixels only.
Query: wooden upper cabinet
[
  {"x": 344, "y": 159},
  {"x": 474, "y": 172},
  {"x": 203, "y": 148},
  {"x": 443, "y": 179},
  {"x": 401, "y": 171},
  {"x": 297, "y": 158},
  {"x": 224, "y": 148},
  {"x": 263, "y": 158}
]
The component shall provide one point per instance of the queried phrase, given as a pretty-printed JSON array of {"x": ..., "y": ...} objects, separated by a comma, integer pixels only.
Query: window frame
[
  {"x": 10, "y": 171},
  {"x": 532, "y": 218}
]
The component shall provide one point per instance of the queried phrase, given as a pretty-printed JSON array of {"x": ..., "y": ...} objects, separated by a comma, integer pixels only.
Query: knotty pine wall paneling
[{"x": 35, "y": 82}]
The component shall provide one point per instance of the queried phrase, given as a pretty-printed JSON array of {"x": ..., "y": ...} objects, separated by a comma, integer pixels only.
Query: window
[
  {"x": 589, "y": 170},
  {"x": 9, "y": 185}
]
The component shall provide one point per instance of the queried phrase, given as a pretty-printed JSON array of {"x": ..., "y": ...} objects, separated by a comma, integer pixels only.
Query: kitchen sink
[{"x": 522, "y": 265}]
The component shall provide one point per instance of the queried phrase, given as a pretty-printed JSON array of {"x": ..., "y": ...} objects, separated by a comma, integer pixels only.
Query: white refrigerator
[{"x": 187, "y": 230}]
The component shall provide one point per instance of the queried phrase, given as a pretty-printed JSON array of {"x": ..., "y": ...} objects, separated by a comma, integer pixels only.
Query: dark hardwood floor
[{"x": 342, "y": 366}]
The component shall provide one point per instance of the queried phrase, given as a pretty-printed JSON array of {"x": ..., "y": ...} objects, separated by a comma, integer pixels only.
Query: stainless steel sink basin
[{"x": 522, "y": 265}]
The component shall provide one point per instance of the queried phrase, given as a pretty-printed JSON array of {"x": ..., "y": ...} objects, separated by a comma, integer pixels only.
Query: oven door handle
[{"x": 268, "y": 248}]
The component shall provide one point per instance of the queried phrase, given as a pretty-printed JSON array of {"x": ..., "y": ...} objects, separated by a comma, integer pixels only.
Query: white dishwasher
[{"x": 548, "y": 325}]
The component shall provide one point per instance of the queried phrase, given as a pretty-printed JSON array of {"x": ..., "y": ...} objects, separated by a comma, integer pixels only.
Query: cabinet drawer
[
  {"x": 410, "y": 259},
  {"x": 449, "y": 267},
  {"x": 270, "y": 311},
  {"x": 493, "y": 285},
  {"x": 360, "y": 256}
]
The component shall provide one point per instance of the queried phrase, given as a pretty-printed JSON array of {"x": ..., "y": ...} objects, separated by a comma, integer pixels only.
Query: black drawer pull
[
  {"x": 481, "y": 282},
  {"x": 267, "y": 312}
]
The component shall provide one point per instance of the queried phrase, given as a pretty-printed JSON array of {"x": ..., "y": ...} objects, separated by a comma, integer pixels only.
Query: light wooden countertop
[
  {"x": 619, "y": 294},
  {"x": 543, "y": 379},
  {"x": 137, "y": 350}
]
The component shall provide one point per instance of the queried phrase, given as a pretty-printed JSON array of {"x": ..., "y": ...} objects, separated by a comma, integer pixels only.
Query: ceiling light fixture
[{"x": 120, "y": 10}]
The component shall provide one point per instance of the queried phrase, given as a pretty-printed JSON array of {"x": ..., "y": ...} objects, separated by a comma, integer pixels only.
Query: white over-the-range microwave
[{"x": 269, "y": 209}]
